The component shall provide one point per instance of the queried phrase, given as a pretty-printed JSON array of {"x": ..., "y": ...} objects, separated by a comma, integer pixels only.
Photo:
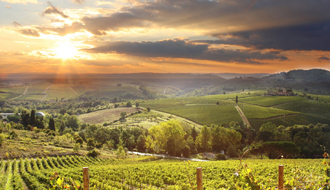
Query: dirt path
[
  {"x": 165, "y": 156},
  {"x": 73, "y": 90},
  {"x": 25, "y": 91},
  {"x": 245, "y": 120},
  {"x": 44, "y": 92}
]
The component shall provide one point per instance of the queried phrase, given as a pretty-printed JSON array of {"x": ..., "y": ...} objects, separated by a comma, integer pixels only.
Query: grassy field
[
  {"x": 309, "y": 107},
  {"x": 206, "y": 114},
  {"x": 268, "y": 101},
  {"x": 112, "y": 91},
  {"x": 108, "y": 115},
  {"x": 252, "y": 111},
  {"x": 282, "y": 110}
]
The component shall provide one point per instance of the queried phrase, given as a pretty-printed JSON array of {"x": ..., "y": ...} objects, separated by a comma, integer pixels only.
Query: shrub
[
  {"x": 93, "y": 153},
  {"x": 220, "y": 157},
  {"x": 90, "y": 144},
  {"x": 76, "y": 147},
  {"x": 2, "y": 139},
  {"x": 12, "y": 135}
]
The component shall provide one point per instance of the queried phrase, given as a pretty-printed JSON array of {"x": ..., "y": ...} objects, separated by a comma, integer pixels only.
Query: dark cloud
[
  {"x": 29, "y": 32},
  {"x": 53, "y": 10},
  {"x": 224, "y": 16},
  {"x": 323, "y": 58},
  {"x": 184, "y": 49},
  {"x": 313, "y": 36}
]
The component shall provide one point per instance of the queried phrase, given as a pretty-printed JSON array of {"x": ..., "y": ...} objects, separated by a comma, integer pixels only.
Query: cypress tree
[
  {"x": 33, "y": 118},
  {"x": 51, "y": 124}
]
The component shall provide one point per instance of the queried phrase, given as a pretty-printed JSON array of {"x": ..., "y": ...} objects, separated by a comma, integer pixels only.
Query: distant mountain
[
  {"x": 311, "y": 81},
  {"x": 238, "y": 75}
]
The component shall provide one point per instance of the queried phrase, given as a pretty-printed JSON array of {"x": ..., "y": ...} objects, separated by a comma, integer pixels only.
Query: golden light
[{"x": 65, "y": 50}]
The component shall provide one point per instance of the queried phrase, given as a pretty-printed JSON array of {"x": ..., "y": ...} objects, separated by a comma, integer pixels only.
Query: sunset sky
[{"x": 167, "y": 36}]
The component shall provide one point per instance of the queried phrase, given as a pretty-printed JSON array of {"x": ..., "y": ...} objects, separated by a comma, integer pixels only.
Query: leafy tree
[
  {"x": 231, "y": 151},
  {"x": 76, "y": 147},
  {"x": 90, "y": 144},
  {"x": 121, "y": 152},
  {"x": 129, "y": 104},
  {"x": 137, "y": 104},
  {"x": 203, "y": 139},
  {"x": 148, "y": 109},
  {"x": 236, "y": 99},
  {"x": 73, "y": 122},
  {"x": 141, "y": 142},
  {"x": 275, "y": 149},
  {"x": 192, "y": 146},
  {"x": 167, "y": 137},
  {"x": 122, "y": 115}
]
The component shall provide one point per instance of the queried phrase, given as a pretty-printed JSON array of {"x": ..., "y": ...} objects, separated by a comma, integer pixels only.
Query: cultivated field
[
  {"x": 160, "y": 174},
  {"x": 108, "y": 115},
  {"x": 282, "y": 110}
]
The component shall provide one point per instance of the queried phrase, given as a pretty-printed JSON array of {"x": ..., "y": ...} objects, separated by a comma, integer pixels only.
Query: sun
[{"x": 65, "y": 50}]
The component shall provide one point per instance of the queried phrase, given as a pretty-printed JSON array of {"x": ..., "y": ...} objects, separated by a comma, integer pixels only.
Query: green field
[
  {"x": 112, "y": 91},
  {"x": 282, "y": 110},
  {"x": 268, "y": 101},
  {"x": 141, "y": 173},
  {"x": 318, "y": 109}
]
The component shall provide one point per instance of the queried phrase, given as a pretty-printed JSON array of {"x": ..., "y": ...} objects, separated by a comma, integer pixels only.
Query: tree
[
  {"x": 90, "y": 144},
  {"x": 129, "y": 104},
  {"x": 140, "y": 143},
  {"x": 167, "y": 137},
  {"x": 25, "y": 119},
  {"x": 33, "y": 118},
  {"x": 194, "y": 133},
  {"x": 73, "y": 122},
  {"x": 51, "y": 125},
  {"x": 203, "y": 139},
  {"x": 121, "y": 152},
  {"x": 236, "y": 99},
  {"x": 122, "y": 115},
  {"x": 137, "y": 104},
  {"x": 148, "y": 109}
]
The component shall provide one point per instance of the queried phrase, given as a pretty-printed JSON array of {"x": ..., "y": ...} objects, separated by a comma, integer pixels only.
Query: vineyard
[{"x": 152, "y": 173}]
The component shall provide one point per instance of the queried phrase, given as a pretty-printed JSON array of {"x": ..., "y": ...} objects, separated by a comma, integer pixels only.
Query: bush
[
  {"x": 2, "y": 139},
  {"x": 220, "y": 157},
  {"x": 90, "y": 144},
  {"x": 93, "y": 153},
  {"x": 12, "y": 135},
  {"x": 76, "y": 147}
]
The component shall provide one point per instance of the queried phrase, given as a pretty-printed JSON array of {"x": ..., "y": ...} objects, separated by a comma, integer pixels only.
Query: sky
[{"x": 163, "y": 36}]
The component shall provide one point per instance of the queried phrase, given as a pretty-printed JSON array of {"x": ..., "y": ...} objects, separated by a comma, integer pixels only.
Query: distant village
[{"x": 280, "y": 91}]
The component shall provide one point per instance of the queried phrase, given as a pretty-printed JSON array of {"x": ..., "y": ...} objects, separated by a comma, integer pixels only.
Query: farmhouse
[{"x": 280, "y": 91}]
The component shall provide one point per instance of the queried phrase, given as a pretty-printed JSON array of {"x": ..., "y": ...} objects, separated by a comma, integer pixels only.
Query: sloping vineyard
[{"x": 160, "y": 174}]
